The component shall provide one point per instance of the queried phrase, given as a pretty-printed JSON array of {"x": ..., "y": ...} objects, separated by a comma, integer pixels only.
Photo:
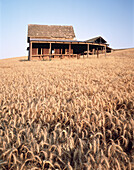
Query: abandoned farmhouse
[{"x": 55, "y": 41}]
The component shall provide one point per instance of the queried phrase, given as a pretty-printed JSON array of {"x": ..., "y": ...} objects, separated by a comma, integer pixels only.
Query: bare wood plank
[
  {"x": 93, "y": 51},
  {"x": 97, "y": 53},
  {"x": 50, "y": 51},
  {"x": 69, "y": 49},
  {"x": 62, "y": 42},
  {"x": 30, "y": 55},
  {"x": 105, "y": 50},
  {"x": 87, "y": 50}
]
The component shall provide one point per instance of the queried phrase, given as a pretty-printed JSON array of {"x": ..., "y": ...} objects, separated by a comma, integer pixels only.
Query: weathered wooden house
[
  {"x": 55, "y": 41},
  {"x": 100, "y": 40}
]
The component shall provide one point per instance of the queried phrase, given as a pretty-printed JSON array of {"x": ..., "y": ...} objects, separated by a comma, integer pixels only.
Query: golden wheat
[{"x": 67, "y": 114}]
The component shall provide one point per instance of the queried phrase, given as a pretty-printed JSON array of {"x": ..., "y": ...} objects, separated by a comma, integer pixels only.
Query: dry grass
[{"x": 67, "y": 114}]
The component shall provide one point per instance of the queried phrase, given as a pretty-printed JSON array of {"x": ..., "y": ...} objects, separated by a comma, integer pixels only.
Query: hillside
[{"x": 67, "y": 114}]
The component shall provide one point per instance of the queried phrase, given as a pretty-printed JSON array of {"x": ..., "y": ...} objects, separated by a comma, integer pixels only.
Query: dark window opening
[{"x": 63, "y": 51}]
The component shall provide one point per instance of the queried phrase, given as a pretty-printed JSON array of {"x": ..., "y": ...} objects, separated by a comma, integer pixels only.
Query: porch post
[
  {"x": 87, "y": 50},
  {"x": 50, "y": 51},
  {"x": 30, "y": 55},
  {"x": 105, "y": 50},
  {"x": 97, "y": 53},
  {"x": 93, "y": 51},
  {"x": 41, "y": 51},
  {"x": 69, "y": 49}
]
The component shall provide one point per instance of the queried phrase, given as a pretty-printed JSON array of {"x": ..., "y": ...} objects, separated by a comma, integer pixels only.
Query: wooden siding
[
  {"x": 67, "y": 51},
  {"x": 34, "y": 51},
  {"x": 45, "y": 51}
]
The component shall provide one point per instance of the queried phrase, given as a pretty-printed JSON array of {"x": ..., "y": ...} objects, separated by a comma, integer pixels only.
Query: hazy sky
[{"x": 112, "y": 19}]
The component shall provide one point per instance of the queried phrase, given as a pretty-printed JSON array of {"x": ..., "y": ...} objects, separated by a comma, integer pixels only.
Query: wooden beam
[
  {"x": 50, "y": 51},
  {"x": 87, "y": 50},
  {"x": 78, "y": 56},
  {"x": 69, "y": 50},
  {"x": 93, "y": 51},
  {"x": 41, "y": 51},
  {"x": 30, "y": 52},
  {"x": 62, "y": 42},
  {"x": 97, "y": 53},
  {"x": 105, "y": 50}
]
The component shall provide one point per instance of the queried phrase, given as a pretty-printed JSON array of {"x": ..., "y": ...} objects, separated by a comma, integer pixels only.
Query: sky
[{"x": 111, "y": 19}]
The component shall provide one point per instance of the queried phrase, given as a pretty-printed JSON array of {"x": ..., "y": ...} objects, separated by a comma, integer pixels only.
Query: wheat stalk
[{"x": 67, "y": 114}]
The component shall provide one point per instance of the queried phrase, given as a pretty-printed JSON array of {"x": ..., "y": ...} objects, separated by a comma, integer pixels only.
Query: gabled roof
[
  {"x": 97, "y": 39},
  {"x": 51, "y": 31}
]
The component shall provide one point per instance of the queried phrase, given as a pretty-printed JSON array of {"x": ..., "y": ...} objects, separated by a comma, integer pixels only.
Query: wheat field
[{"x": 67, "y": 114}]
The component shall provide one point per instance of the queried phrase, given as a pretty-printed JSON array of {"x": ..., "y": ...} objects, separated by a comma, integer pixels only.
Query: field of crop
[{"x": 67, "y": 114}]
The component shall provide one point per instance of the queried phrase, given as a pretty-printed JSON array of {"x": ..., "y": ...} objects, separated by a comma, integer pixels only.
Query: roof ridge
[
  {"x": 51, "y": 31},
  {"x": 95, "y": 38},
  {"x": 51, "y": 25}
]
